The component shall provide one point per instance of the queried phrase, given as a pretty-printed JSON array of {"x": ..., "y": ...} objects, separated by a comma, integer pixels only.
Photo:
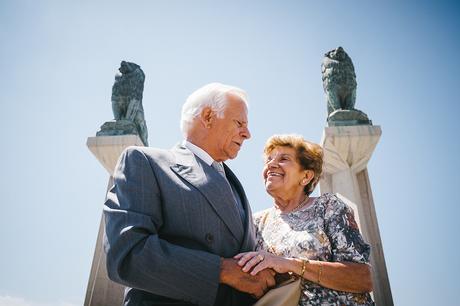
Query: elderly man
[{"x": 174, "y": 218}]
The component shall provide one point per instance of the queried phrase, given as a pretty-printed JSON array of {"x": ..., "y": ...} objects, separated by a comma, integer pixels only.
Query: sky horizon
[{"x": 59, "y": 60}]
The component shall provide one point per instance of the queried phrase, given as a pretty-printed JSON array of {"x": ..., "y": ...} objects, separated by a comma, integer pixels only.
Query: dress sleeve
[{"x": 346, "y": 241}]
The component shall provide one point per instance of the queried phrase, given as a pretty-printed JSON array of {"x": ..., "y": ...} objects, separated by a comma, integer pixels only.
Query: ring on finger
[{"x": 261, "y": 257}]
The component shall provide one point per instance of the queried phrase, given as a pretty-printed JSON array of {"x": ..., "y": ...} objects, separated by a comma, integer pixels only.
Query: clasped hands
[
  {"x": 255, "y": 262},
  {"x": 251, "y": 272}
]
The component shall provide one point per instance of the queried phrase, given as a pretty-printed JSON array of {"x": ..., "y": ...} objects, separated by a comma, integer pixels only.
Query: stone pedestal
[
  {"x": 101, "y": 291},
  {"x": 347, "y": 150}
]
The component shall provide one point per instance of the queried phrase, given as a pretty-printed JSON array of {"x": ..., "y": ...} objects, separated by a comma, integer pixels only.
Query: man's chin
[{"x": 232, "y": 155}]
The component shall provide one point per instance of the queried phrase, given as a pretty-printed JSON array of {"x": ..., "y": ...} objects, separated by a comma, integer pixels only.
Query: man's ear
[{"x": 206, "y": 117}]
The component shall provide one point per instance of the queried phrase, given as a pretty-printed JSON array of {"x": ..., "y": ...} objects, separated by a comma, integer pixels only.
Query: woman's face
[{"x": 283, "y": 175}]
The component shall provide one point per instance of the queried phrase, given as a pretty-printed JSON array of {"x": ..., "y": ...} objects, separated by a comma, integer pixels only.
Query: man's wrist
[{"x": 223, "y": 275}]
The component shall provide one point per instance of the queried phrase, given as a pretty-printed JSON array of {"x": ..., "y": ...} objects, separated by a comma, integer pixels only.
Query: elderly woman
[{"x": 316, "y": 239}]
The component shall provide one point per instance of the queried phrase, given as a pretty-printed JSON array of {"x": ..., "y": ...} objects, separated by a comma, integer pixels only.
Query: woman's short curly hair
[{"x": 309, "y": 155}]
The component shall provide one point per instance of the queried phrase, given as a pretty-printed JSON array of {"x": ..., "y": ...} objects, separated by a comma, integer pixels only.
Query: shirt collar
[{"x": 202, "y": 154}]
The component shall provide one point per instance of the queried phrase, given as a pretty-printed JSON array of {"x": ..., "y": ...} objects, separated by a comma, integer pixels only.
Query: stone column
[
  {"x": 101, "y": 291},
  {"x": 347, "y": 150}
]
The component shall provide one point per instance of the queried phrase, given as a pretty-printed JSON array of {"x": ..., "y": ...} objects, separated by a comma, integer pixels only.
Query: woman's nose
[{"x": 273, "y": 163}]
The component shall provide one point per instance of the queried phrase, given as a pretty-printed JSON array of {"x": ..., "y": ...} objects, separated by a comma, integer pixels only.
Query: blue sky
[{"x": 58, "y": 62}]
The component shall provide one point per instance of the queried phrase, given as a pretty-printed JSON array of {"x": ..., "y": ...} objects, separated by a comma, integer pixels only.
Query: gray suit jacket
[{"x": 169, "y": 218}]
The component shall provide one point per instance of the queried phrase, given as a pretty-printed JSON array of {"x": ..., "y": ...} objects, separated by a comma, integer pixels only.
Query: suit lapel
[
  {"x": 248, "y": 243},
  {"x": 213, "y": 187}
]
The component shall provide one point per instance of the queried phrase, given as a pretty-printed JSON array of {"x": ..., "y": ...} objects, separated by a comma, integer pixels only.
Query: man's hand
[{"x": 256, "y": 285}]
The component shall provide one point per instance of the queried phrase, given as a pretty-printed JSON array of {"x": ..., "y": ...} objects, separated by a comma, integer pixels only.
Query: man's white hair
[{"x": 213, "y": 95}]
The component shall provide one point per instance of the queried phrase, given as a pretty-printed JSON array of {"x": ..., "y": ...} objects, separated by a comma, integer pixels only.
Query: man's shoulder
[{"x": 155, "y": 155}]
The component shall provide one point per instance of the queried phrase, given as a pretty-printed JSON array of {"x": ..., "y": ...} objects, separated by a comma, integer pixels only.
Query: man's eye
[{"x": 238, "y": 123}]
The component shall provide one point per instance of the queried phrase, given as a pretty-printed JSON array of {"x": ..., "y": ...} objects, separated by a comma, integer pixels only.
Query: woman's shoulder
[
  {"x": 262, "y": 213},
  {"x": 332, "y": 203},
  {"x": 260, "y": 216}
]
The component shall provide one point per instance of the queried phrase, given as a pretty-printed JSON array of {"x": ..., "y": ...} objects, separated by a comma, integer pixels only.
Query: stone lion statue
[
  {"x": 127, "y": 107},
  {"x": 127, "y": 97},
  {"x": 339, "y": 80},
  {"x": 339, "y": 83}
]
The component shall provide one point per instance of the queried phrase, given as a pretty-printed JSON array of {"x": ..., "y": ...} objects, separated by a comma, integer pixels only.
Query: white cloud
[{"x": 7, "y": 300}]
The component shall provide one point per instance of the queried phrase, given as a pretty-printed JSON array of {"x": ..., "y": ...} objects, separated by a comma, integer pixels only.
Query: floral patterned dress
[{"x": 325, "y": 230}]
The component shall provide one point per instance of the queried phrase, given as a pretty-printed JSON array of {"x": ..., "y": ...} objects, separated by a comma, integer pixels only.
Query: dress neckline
[{"x": 311, "y": 204}]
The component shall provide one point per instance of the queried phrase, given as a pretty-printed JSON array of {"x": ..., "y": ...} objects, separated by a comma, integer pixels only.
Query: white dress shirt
[{"x": 202, "y": 154}]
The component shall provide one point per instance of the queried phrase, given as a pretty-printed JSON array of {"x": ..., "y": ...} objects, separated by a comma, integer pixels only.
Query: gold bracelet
[
  {"x": 320, "y": 272},
  {"x": 304, "y": 265}
]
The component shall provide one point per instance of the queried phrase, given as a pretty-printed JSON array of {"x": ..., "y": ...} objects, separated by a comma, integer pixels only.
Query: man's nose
[{"x": 245, "y": 133}]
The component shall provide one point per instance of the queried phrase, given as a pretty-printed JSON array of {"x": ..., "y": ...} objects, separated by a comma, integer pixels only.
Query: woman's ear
[
  {"x": 206, "y": 117},
  {"x": 309, "y": 175}
]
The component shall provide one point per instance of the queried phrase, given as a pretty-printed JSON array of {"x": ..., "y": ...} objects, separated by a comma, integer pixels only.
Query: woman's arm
[{"x": 341, "y": 276}]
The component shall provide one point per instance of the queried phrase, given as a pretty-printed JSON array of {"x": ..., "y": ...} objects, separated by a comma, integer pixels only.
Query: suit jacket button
[{"x": 209, "y": 238}]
